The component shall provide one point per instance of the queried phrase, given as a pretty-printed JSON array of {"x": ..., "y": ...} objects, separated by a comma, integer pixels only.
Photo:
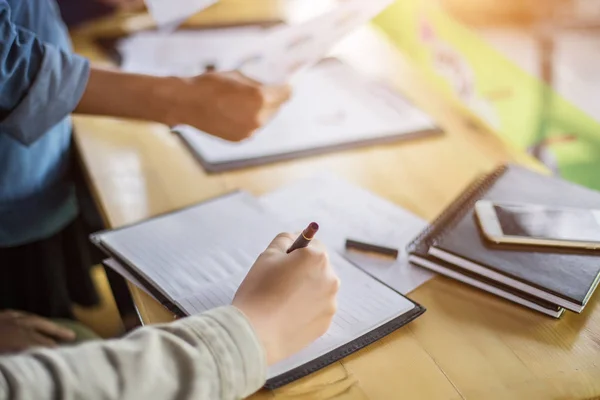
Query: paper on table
[
  {"x": 171, "y": 13},
  {"x": 168, "y": 54},
  {"x": 332, "y": 105},
  {"x": 345, "y": 211},
  {"x": 289, "y": 50}
]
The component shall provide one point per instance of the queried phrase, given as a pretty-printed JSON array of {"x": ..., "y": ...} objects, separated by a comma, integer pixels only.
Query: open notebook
[
  {"x": 333, "y": 108},
  {"x": 194, "y": 259}
]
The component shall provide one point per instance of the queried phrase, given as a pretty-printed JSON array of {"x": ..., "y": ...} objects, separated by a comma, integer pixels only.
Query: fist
[
  {"x": 224, "y": 104},
  {"x": 290, "y": 299}
]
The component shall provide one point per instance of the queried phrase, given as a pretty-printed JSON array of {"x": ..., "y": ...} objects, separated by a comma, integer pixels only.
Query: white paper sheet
[
  {"x": 186, "y": 53},
  {"x": 289, "y": 50},
  {"x": 171, "y": 13},
  {"x": 331, "y": 105},
  {"x": 345, "y": 211},
  {"x": 183, "y": 252}
]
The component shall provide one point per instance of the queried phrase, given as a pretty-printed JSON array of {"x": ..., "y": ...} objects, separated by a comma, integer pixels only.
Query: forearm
[
  {"x": 119, "y": 94},
  {"x": 213, "y": 356}
]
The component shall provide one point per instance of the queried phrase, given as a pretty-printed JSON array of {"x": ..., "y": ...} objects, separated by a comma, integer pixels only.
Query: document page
[
  {"x": 331, "y": 105},
  {"x": 289, "y": 50},
  {"x": 345, "y": 211}
]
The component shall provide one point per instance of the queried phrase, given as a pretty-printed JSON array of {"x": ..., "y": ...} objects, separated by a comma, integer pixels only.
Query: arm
[
  {"x": 40, "y": 84},
  {"x": 215, "y": 355},
  {"x": 284, "y": 303},
  {"x": 226, "y": 104}
]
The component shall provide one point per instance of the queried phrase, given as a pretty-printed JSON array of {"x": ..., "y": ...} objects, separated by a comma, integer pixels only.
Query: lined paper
[
  {"x": 363, "y": 305},
  {"x": 345, "y": 211},
  {"x": 208, "y": 243}
]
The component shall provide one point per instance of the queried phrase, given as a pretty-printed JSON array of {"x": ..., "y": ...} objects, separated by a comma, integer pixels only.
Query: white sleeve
[{"x": 216, "y": 355}]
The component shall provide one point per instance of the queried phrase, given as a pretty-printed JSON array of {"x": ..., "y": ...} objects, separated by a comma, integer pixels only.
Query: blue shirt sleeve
[{"x": 40, "y": 84}]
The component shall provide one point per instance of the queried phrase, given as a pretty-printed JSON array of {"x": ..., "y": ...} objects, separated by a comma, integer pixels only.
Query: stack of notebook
[{"x": 547, "y": 280}]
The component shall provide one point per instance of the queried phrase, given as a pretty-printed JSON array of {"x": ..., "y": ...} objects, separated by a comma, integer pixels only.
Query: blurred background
[{"x": 527, "y": 68}]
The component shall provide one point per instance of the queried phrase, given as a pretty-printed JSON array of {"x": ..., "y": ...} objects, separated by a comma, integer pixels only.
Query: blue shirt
[{"x": 41, "y": 83}]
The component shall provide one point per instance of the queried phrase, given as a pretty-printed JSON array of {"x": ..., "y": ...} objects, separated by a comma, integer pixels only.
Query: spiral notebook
[
  {"x": 194, "y": 259},
  {"x": 561, "y": 278}
]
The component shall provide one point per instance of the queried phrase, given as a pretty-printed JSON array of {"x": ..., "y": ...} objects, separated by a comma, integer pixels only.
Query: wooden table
[{"x": 469, "y": 344}]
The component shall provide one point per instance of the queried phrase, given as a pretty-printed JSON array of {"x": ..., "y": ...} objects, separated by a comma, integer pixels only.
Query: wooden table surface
[{"x": 468, "y": 344}]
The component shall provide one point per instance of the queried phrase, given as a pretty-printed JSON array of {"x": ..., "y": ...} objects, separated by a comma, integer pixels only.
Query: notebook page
[
  {"x": 208, "y": 243},
  {"x": 331, "y": 105},
  {"x": 345, "y": 211},
  {"x": 363, "y": 305}
]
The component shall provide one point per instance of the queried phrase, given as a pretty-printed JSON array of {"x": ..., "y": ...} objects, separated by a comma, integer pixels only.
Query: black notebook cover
[
  {"x": 570, "y": 275},
  {"x": 296, "y": 373}
]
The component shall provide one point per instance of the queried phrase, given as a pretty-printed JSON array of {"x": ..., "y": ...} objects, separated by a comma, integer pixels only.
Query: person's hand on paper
[
  {"x": 225, "y": 104},
  {"x": 20, "y": 331},
  {"x": 290, "y": 299}
]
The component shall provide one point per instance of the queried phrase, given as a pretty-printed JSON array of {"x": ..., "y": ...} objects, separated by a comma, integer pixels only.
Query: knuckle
[
  {"x": 318, "y": 258},
  {"x": 335, "y": 284}
]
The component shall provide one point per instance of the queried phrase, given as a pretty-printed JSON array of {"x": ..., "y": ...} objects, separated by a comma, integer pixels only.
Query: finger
[
  {"x": 267, "y": 114},
  {"x": 282, "y": 242},
  {"x": 37, "y": 339},
  {"x": 49, "y": 328},
  {"x": 11, "y": 314},
  {"x": 275, "y": 96}
]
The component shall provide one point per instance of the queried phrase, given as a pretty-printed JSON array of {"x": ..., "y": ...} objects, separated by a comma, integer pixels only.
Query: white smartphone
[{"x": 541, "y": 225}]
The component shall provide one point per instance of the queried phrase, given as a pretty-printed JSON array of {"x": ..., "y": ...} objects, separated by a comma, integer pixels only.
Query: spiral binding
[{"x": 454, "y": 212}]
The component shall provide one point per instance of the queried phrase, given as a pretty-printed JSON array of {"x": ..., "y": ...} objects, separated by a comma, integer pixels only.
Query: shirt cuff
[
  {"x": 238, "y": 351},
  {"x": 56, "y": 91}
]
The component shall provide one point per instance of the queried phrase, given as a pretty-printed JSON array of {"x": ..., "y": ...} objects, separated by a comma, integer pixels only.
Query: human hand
[
  {"x": 20, "y": 331},
  {"x": 289, "y": 299},
  {"x": 223, "y": 104}
]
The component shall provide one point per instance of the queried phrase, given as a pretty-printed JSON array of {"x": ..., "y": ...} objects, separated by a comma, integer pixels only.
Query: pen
[{"x": 305, "y": 237}]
